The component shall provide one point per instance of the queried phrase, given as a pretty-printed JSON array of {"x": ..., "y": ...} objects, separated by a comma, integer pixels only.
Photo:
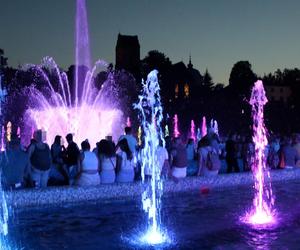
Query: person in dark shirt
[
  {"x": 231, "y": 154},
  {"x": 72, "y": 158}
]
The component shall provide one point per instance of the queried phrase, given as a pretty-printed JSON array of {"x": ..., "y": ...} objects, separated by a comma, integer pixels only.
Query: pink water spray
[
  {"x": 176, "y": 132},
  {"x": 262, "y": 211}
]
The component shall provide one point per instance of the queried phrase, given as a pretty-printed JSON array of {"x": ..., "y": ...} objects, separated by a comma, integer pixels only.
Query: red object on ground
[{"x": 204, "y": 190}]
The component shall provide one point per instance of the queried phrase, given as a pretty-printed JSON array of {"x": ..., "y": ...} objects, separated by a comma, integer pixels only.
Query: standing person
[
  {"x": 107, "y": 161},
  {"x": 296, "y": 145},
  {"x": 131, "y": 140},
  {"x": 39, "y": 160},
  {"x": 231, "y": 154},
  {"x": 179, "y": 160},
  {"x": 125, "y": 162},
  {"x": 273, "y": 155},
  {"x": 13, "y": 164},
  {"x": 58, "y": 175},
  {"x": 72, "y": 158},
  {"x": 192, "y": 164},
  {"x": 288, "y": 156},
  {"x": 88, "y": 173}
]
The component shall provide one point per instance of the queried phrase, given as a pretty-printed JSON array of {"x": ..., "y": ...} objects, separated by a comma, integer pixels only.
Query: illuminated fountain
[
  {"x": 176, "y": 132},
  {"x": 193, "y": 131},
  {"x": 151, "y": 114},
  {"x": 203, "y": 127},
  {"x": 82, "y": 110},
  {"x": 167, "y": 130},
  {"x": 3, "y": 204},
  {"x": 262, "y": 211}
]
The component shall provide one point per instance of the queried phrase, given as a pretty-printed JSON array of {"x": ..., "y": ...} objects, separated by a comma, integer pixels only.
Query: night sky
[{"x": 217, "y": 33}]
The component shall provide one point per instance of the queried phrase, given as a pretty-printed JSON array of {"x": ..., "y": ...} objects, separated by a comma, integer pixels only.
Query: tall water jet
[
  {"x": 176, "y": 132},
  {"x": 193, "y": 131},
  {"x": 82, "y": 49},
  {"x": 203, "y": 127},
  {"x": 198, "y": 134},
  {"x": 262, "y": 211},
  {"x": 151, "y": 114}
]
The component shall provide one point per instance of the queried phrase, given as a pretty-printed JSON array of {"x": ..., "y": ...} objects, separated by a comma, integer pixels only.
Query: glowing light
[
  {"x": 262, "y": 211},
  {"x": 167, "y": 131},
  {"x": 140, "y": 135},
  {"x": 128, "y": 122},
  {"x": 154, "y": 238},
  {"x": 2, "y": 139},
  {"x": 192, "y": 131},
  {"x": 203, "y": 127},
  {"x": 198, "y": 134},
  {"x": 8, "y": 131},
  {"x": 176, "y": 132},
  {"x": 151, "y": 115}
]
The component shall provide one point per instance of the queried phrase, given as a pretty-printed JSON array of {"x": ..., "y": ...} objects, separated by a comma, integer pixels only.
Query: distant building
[
  {"x": 128, "y": 54},
  {"x": 186, "y": 81},
  {"x": 278, "y": 93}
]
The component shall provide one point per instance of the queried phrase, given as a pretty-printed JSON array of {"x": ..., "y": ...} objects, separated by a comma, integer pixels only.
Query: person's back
[
  {"x": 13, "y": 164},
  {"x": 39, "y": 160},
  {"x": 125, "y": 163},
  {"x": 88, "y": 174},
  {"x": 90, "y": 161},
  {"x": 72, "y": 154},
  {"x": 179, "y": 159},
  {"x": 289, "y": 155}
]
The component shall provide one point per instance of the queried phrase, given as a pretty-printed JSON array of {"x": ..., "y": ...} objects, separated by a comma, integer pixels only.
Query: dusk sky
[{"x": 217, "y": 33}]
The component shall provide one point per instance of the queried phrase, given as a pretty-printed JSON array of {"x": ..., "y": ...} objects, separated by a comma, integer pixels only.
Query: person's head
[
  {"x": 204, "y": 142},
  {"x": 178, "y": 141},
  {"x": 190, "y": 141},
  {"x": 128, "y": 130},
  {"x": 38, "y": 135},
  {"x": 123, "y": 144},
  {"x": 106, "y": 148},
  {"x": 57, "y": 140},
  {"x": 69, "y": 138},
  {"x": 14, "y": 142},
  {"x": 85, "y": 145}
]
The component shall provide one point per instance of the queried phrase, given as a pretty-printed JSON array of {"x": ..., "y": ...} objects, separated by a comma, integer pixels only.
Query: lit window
[
  {"x": 176, "y": 91},
  {"x": 186, "y": 90}
]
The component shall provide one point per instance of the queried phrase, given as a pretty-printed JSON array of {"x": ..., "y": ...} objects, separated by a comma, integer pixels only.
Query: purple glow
[
  {"x": 262, "y": 211},
  {"x": 86, "y": 112},
  {"x": 2, "y": 139},
  {"x": 193, "y": 130},
  {"x": 176, "y": 132},
  {"x": 204, "y": 127}
]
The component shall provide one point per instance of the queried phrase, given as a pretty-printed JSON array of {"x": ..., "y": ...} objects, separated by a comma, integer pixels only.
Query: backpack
[{"x": 213, "y": 162}]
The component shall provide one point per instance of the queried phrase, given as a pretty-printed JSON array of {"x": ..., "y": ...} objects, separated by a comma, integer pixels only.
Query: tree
[
  {"x": 242, "y": 78},
  {"x": 156, "y": 60},
  {"x": 207, "y": 80}
]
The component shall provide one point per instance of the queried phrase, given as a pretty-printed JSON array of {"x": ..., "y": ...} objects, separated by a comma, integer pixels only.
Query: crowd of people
[{"x": 40, "y": 165}]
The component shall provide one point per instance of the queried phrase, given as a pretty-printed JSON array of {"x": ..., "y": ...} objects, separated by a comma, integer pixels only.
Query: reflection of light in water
[
  {"x": 154, "y": 237},
  {"x": 262, "y": 211}
]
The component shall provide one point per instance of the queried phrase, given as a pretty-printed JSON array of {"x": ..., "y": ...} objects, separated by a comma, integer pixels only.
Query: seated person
[
  {"x": 14, "y": 164},
  {"x": 88, "y": 167},
  {"x": 125, "y": 162},
  {"x": 107, "y": 161}
]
